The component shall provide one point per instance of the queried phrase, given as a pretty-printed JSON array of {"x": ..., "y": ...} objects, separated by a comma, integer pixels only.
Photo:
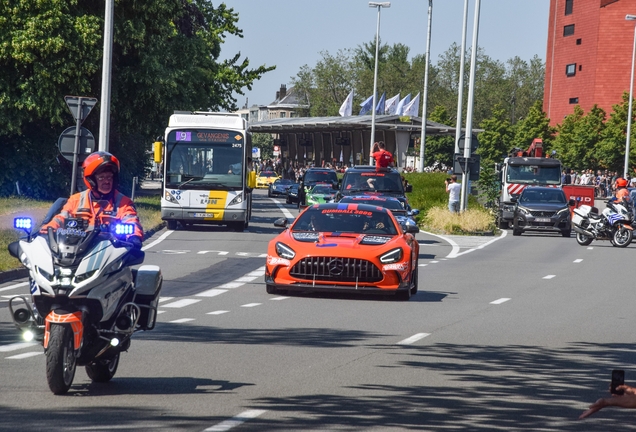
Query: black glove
[{"x": 136, "y": 242}]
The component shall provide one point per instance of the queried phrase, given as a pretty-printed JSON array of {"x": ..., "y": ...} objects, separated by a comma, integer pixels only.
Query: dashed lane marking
[
  {"x": 590, "y": 248},
  {"x": 181, "y": 303},
  {"x": 549, "y": 276},
  {"x": 500, "y": 301},
  {"x": 219, "y": 312},
  {"x": 162, "y": 299},
  {"x": 11, "y": 287},
  {"x": 279, "y": 298},
  {"x": 24, "y": 355},
  {"x": 211, "y": 293},
  {"x": 246, "y": 279},
  {"x": 251, "y": 305},
  {"x": 182, "y": 320},
  {"x": 235, "y": 421},
  {"x": 576, "y": 261},
  {"x": 16, "y": 346},
  {"x": 413, "y": 339}
]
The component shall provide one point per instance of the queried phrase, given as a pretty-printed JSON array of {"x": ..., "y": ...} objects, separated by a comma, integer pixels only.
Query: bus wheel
[{"x": 172, "y": 224}]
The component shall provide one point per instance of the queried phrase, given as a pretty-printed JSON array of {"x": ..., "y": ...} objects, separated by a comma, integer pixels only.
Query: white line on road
[
  {"x": 159, "y": 240},
  {"x": 219, "y": 312},
  {"x": 181, "y": 303},
  {"x": 211, "y": 293},
  {"x": 232, "y": 285},
  {"x": 24, "y": 355},
  {"x": 246, "y": 279},
  {"x": 590, "y": 248},
  {"x": 160, "y": 312},
  {"x": 279, "y": 298},
  {"x": 422, "y": 265},
  {"x": 549, "y": 276},
  {"x": 18, "y": 285},
  {"x": 235, "y": 421},
  {"x": 162, "y": 299},
  {"x": 16, "y": 346},
  {"x": 251, "y": 305},
  {"x": 413, "y": 339},
  {"x": 576, "y": 261},
  {"x": 286, "y": 212},
  {"x": 500, "y": 301},
  {"x": 182, "y": 320}
]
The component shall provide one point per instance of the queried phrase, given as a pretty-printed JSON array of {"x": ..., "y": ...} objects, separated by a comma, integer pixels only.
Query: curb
[{"x": 20, "y": 273}]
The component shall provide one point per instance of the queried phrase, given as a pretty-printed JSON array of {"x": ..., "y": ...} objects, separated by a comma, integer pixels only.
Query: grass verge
[{"x": 472, "y": 221}]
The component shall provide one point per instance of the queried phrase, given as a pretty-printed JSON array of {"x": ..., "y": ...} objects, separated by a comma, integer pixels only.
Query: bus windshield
[
  {"x": 205, "y": 159},
  {"x": 533, "y": 174}
]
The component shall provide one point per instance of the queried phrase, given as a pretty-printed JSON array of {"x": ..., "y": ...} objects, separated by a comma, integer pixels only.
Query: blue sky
[{"x": 292, "y": 33}]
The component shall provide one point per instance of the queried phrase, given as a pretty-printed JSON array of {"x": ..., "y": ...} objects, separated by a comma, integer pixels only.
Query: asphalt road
[{"x": 505, "y": 333}]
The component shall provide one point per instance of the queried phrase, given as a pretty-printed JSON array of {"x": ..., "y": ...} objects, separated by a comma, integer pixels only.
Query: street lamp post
[
  {"x": 631, "y": 93},
  {"x": 425, "y": 92},
  {"x": 378, "y": 5}
]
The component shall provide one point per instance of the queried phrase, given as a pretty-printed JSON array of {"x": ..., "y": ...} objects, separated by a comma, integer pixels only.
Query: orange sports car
[{"x": 344, "y": 247}]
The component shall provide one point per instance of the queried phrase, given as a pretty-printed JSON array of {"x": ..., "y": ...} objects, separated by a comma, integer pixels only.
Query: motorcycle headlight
[
  {"x": 391, "y": 256},
  {"x": 48, "y": 276},
  {"x": 237, "y": 199},
  {"x": 284, "y": 251}
]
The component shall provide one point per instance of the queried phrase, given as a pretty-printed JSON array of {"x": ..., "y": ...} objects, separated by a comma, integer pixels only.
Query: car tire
[
  {"x": 501, "y": 224},
  {"x": 172, "y": 224},
  {"x": 414, "y": 281},
  {"x": 566, "y": 233},
  {"x": 516, "y": 232}
]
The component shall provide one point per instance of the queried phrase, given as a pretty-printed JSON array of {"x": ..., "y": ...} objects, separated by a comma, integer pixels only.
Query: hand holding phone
[{"x": 618, "y": 379}]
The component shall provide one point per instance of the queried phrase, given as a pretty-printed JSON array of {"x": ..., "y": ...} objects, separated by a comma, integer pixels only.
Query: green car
[{"x": 321, "y": 193}]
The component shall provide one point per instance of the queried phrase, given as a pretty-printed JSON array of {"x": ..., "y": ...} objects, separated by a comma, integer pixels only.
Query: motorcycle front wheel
[
  {"x": 104, "y": 370},
  {"x": 622, "y": 236},
  {"x": 583, "y": 240},
  {"x": 60, "y": 359}
]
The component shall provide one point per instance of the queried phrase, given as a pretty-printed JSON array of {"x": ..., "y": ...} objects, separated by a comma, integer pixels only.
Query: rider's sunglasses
[{"x": 105, "y": 177}]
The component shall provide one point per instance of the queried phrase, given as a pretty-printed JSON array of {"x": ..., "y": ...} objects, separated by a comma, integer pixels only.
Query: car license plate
[
  {"x": 542, "y": 219},
  {"x": 204, "y": 215}
]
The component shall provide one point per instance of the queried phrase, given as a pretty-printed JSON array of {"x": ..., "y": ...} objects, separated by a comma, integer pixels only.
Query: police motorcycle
[
  {"x": 613, "y": 224},
  {"x": 86, "y": 301}
]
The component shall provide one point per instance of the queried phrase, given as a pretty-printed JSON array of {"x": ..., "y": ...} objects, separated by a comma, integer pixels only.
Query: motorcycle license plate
[{"x": 542, "y": 219}]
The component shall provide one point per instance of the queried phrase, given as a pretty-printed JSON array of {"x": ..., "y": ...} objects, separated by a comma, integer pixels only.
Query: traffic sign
[
  {"x": 80, "y": 106},
  {"x": 66, "y": 143},
  {"x": 474, "y": 143},
  {"x": 474, "y": 163}
]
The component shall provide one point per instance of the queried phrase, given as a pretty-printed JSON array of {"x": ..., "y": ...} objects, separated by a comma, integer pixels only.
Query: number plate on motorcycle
[
  {"x": 542, "y": 219},
  {"x": 204, "y": 215}
]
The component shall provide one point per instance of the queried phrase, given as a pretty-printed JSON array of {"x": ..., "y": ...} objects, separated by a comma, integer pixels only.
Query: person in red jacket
[
  {"x": 383, "y": 158},
  {"x": 101, "y": 199}
]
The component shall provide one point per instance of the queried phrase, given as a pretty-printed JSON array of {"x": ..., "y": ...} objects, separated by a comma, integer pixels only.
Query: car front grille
[
  {"x": 542, "y": 213},
  {"x": 336, "y": 269}
]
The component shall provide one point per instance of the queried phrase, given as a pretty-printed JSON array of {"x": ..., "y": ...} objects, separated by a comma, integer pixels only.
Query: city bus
[{"x": 206, "y": 176}]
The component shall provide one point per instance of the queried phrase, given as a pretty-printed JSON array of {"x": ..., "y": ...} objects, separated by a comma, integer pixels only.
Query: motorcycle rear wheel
[
  {"x": 622, "y": 237},
  {"x": 60, "y": 359},
  {"x": 104, "y": 370},
  {"x": 583, "y": 240}
]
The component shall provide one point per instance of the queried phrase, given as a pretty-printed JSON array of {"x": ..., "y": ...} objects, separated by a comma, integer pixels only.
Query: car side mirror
[
  {"x": 409, "y": 188},
  {"x": 571, "y": 203},
  {"x": 415, "y": 212},
  {"x": 412, "y": 229},
  {"x": 281, "y": 222}
]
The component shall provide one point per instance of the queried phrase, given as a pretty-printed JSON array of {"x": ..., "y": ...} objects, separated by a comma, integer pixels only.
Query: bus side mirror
[{"x": 158, "y": 147}]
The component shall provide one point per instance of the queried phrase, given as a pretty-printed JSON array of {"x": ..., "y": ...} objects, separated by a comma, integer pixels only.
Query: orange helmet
[
  {"x": 97, "y": 163},
  {"x": 621, "y": 182}
]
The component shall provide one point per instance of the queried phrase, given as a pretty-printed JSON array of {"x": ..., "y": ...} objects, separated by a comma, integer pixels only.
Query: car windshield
[
  {"x": 533, "y": 174},
  {"x": 373, "y": 181},
  {"x": 321, "y": 176},
  {"x": 323, "y": 190},
  {"x": 336, "y": 219},
  {"x": 555, "y": 196}
]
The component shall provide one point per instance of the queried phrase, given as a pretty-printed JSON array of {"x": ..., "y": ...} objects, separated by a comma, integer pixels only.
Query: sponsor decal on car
[
  {"x": 277, "y": 261},
  {"x": 396, "y": 266}
]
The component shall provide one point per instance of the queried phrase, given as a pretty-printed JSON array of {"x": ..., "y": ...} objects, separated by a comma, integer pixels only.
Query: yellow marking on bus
[{"x": 216, "y": 205}]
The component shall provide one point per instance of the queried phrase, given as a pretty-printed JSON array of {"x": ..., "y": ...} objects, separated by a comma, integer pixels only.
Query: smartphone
[{"x": 618, "y": 379}]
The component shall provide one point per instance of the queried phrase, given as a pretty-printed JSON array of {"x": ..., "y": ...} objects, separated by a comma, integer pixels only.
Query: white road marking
[
  {"x": 258, "y": 272},
  {"x": 576, "y": 261},
  {"x": 246, "y": 279},
  {"x": 160, "y": 312},
  {"x": 433, "y": 262},
  {"x": 500, "y": 301},
  {"x": 590, "y": 248},
  {"x": 413, "y": 339},
  {"x": 219, "y": 312},
  {"x": 165, "y": 299},
  {"x": 251, "y": 305},
  {"x": 279, "y": 298},
  {"x": 182, "y": 320},
  {"x": 211, "y": 293},
  {"x": 18, "y": 285},
  {"x": 286, "y": 212},
  {"x": 422, "y": 265},
  {"x": 549, "y": 276},
  {"x": 263, "y": 255},
  {"x": 235, "y": 421},
  {"x": 16, "y": 346},
  {"x": 11, "y": 296},
  {"x": 213, "y": 251},
  {"x": 159, "y": 240},
  {"x": 232, "y": 285},
  {"x": 24, "y": 355},
  {"x": 181, "y": 303}
]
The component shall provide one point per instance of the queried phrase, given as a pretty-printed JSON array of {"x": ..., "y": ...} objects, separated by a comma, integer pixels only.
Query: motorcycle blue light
[
  {"x": 23, "y": 223},
  {"x": 124, "y": 229}
]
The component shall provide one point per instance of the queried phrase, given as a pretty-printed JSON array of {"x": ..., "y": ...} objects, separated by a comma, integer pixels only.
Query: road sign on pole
[
  {"x": 80, "y": 106},
  {"x": 66, "y": 143}
]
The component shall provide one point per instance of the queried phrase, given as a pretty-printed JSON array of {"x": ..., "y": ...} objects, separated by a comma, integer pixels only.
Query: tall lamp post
[
  {"x": 631, "y": 93},
  {"x": 425, "y": 93},
  {"x": 378, "y": 5}
]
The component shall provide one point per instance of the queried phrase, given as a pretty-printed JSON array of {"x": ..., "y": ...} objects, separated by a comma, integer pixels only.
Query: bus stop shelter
[{"x": 345, "y": 140}]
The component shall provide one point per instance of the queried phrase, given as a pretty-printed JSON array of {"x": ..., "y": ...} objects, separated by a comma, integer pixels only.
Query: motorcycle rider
[
  {"x": 622, "y": 193},
  {"x": 101, "y": 176}
]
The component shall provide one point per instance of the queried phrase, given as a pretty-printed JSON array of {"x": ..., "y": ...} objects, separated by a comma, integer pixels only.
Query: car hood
[
  {"x": 339, "y": 244},
  {"x": 543, "y": 206}
]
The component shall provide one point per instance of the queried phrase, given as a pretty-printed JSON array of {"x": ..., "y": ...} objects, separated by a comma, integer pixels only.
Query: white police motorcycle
[
  {"x": 86, "y": 301},
  {"x": 613, "y": 224}
]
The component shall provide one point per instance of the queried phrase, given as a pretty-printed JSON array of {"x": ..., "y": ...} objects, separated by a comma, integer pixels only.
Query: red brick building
[{"x": 589, "y": 55}]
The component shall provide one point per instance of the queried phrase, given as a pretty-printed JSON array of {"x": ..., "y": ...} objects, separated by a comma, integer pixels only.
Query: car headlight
[
  {"x": 237, "y": 199},
  {"x": 168, "y": 196},
  {"x": 523, "y": 210},
  {"x": 284, "y": 251},
  {"x": 391, "y": 256}
]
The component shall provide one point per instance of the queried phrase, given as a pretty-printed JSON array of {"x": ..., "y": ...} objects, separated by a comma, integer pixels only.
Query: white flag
[
  {"x": 391, "y": 104},
  {"x": 412, "y": 109},
  {"x": 347, "y": 106},
  {"x": 400, "y": 108}
]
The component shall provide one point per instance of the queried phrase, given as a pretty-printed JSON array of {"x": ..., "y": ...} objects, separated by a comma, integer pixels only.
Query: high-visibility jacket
[
  {"x": 622, "y": 194},
  {"x": 84, "y": 205}
]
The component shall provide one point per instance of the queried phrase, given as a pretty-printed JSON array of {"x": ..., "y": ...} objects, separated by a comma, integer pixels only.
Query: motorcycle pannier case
[
  {"x": 580, "y": 214},
  {"x": 147, "y": 289}
]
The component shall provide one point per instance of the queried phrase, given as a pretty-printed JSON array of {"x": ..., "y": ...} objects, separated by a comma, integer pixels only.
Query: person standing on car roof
[
  {"x": 101, "y": 175},
  {"x": 383, "y": 158}
]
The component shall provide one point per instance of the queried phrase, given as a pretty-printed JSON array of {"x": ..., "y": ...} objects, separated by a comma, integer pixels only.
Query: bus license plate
[
  {"x": 204, "y": 215},
  {"x": 539, "y": 219}
]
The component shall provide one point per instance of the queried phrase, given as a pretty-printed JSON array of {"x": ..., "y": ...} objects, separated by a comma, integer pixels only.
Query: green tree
[
  {"x": 265, "y": 142},
  {"x": 578, "y": 137},
  {"x": 439, "y": 149},
  {"x": 534, "y": 125},
  {"x": 610, "y": 151},
  {"x": 497, "y": 139}
]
